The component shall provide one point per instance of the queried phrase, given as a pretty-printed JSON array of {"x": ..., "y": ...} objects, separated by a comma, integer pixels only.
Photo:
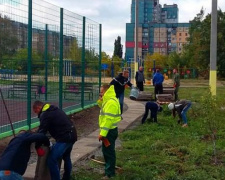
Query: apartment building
[{"x": 158, "y": 29}]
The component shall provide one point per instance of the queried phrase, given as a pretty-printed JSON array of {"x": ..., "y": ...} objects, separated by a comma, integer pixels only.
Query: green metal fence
[{"x": 47, "y": 53}]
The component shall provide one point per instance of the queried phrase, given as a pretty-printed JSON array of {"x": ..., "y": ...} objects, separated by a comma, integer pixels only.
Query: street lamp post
[
  {"x": 136, "y": 38},
  {"x": 213, "y": 48}
]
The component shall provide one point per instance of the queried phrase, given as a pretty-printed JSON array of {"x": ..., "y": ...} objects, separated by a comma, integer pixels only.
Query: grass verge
[{"x": 166, "y": 151}]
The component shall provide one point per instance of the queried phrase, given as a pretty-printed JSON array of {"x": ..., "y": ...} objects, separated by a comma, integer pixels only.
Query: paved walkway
[{"x": 87, "y": 145}]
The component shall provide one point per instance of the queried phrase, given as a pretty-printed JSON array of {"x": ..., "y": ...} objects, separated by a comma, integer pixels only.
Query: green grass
[{"x": 166, "y": 151}]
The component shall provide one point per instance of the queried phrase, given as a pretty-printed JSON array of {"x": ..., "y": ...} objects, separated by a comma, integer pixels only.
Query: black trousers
[
  {"x": 140, "y": 86},
  {"x": 158, "y": 89},
  {"x": 176, "y": 93}
]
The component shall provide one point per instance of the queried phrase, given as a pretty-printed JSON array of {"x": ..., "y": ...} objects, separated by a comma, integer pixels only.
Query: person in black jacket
[
  {"x": 140, "y": 78},
  {"x": 181, "y": 107},
  {"x": 14, "y": 160},
  {"x": 154, "y": 108},
  {"x": 59, "y": 126},
  {"x": 119, "y": 85}
]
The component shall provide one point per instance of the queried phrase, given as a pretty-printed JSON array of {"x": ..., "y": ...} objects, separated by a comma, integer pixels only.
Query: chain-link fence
[{"x": 47, "y": 53}]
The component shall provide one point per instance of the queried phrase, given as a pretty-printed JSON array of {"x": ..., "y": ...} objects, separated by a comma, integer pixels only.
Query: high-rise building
[{"x": 158, "y": 29}]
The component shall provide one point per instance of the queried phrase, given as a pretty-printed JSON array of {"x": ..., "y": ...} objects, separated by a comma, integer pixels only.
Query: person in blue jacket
[
  {"x": 158, "y": 82},
  {"x": 154, "y": 108},
  {"x": 119, "y": 85},
  {"x": 14, "y": 159}
]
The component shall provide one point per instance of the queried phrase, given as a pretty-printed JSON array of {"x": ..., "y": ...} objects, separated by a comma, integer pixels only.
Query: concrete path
[{"x": 87, "y": 145}]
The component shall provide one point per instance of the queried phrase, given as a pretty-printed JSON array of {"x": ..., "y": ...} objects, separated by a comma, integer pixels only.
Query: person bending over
[
  {"x": 180, "y": 107},
  {"x": 14, "y": 159},
  {"x": 154, "y": 108}
]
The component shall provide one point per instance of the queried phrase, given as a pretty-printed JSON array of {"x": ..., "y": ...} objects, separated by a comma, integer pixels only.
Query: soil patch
[{"x": 85, "y": 121}]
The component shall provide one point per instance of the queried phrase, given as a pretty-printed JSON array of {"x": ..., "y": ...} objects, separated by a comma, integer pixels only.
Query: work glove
[
  {"x": 100, "y": 138},
  {"x": 104, "y": 140},
  {"x": 40, "y": 151}
]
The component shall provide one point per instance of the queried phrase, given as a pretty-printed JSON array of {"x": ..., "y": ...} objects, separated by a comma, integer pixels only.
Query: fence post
[
  {"x": 100, "y": 56},
  {"x": 29, "y": 61},
  {"x": 83, "y": 62},
  {"x": 61, "y": 59},
  {"x": 46, "y": 62}
]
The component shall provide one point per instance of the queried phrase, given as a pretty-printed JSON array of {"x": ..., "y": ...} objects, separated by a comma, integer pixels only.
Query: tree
[
  {"x": 75, "y": 52},
  {"x": 107, "y": 60},
  {"x": 118, "y": 48},
  {"x": 174, "y": 60},
  {"x": 160, "y": 61},
  {"x": 221, "y": 44},
  {"x": 8, "y": 39},
  {"x": 117, "y": 65},
  {"x": 20, "y": 61},
  {"x": 197, "y": 52}
]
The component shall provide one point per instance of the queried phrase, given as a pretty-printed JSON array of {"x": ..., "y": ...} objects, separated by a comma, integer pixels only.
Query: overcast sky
[{"x": 114, "y": 14}]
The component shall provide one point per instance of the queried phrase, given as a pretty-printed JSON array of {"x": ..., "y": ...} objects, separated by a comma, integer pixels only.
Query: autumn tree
[{"x": 160, "y": 62}]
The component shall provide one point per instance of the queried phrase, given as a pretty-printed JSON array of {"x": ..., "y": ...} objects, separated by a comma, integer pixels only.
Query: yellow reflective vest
[{"x": 110, "y": 114}]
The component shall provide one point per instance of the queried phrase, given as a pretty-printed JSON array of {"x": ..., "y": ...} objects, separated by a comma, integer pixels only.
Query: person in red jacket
[{"x": 14, "y": 159}]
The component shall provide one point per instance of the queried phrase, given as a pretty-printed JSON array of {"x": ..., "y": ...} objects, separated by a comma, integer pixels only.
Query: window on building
[
  {"x": 180, "y": 34},
  {"x": 186, "y": 34}
]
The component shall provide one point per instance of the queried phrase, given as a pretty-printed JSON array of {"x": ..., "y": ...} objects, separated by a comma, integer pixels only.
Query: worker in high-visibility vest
[{"x": 110, "y": 116}]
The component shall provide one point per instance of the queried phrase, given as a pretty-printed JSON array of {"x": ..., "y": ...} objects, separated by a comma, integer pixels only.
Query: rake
[{"x": 7, "y": 113}]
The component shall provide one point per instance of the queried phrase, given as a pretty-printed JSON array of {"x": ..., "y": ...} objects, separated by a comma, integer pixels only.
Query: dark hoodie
[
  {"x": 17, "y": 154},
  {"x": 57, "y": 123},
  {"x": 119, "y": 84}
]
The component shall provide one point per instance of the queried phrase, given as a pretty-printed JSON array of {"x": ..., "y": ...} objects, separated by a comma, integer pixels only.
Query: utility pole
[
  {"x": 136, "y": 38},
  {"x": 213, "y": 49}
]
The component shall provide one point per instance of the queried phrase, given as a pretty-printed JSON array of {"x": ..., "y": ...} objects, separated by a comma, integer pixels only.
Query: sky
[{"x": 114, "y": 14}]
